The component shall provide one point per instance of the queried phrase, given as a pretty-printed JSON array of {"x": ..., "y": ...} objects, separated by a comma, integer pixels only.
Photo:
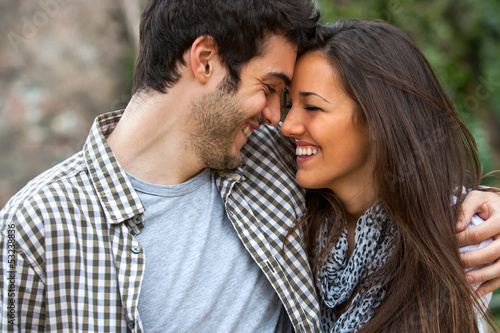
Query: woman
[{"x": 384, "y": 153}]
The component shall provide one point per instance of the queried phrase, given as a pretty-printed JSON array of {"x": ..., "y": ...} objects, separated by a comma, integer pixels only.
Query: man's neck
[{"x": 150, "y": 142}]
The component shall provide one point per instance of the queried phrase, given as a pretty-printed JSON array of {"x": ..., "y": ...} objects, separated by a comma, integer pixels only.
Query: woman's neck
[
  {"x": 357, "y": 202},
  {"x": 355, "y": 205}
]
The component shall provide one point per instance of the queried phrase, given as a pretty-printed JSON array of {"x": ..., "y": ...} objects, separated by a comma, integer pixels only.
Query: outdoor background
[{"x": 63, "y": 62}]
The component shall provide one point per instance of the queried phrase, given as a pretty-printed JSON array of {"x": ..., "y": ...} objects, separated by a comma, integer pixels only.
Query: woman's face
[{"x": 332, "y": 147}]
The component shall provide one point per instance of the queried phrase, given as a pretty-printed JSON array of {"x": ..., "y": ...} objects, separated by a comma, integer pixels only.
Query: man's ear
[{"x": 204, "y": 57}]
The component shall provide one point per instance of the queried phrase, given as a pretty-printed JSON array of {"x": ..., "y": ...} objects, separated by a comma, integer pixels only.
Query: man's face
[{"x": 224, "y": 121}]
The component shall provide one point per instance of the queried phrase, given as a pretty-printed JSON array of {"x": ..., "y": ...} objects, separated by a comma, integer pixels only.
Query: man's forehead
[{"x": 275, "y": 62}]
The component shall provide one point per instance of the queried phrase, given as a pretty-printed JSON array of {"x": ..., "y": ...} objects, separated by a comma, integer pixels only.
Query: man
[{"x": 139, "y": 231}]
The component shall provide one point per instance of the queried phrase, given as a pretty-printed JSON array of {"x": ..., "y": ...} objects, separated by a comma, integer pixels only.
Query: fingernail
[{"x": 470, "y": 279}]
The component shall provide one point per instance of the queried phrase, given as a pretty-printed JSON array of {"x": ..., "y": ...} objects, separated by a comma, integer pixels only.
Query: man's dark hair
[{"x": 238, "y": 27}]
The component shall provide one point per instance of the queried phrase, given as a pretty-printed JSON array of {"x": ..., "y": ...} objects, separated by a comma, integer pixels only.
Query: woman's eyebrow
[{"x": 308, "y": 93}]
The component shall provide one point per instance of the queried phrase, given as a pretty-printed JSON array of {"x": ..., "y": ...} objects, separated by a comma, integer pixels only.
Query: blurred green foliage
[{"x": 461, "y": 39}]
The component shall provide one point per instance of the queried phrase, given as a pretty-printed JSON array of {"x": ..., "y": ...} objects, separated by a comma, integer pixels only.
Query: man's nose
[{"x": 272, "y": 111}]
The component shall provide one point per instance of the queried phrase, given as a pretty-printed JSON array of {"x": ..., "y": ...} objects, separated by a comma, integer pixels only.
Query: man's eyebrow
[
  {"x": 280, "y": 76},
  {"x": 308, "y": 93}
]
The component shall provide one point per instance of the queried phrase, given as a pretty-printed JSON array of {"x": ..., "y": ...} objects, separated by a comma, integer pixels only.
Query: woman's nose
[{"x": 292, "y": 126}]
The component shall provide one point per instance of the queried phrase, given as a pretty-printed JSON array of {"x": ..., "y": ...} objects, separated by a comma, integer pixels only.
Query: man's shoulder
[
  {"x": 265, "y": 137},
  {"x": 264, "y": 145},
  {"x": 267, "y": 163},
  {"x": 45, "y": 189},
  {"x": 267, "y": 151}
]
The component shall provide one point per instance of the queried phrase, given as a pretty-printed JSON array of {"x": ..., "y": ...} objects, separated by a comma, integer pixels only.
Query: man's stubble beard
[{"x": 217, "y": 117}]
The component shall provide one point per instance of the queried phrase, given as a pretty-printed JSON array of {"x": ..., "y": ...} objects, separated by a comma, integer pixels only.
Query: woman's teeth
[{"x": 306, "y": 151}]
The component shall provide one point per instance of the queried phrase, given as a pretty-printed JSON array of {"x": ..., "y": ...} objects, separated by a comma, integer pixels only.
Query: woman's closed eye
[{"x": 312, "y": 108}]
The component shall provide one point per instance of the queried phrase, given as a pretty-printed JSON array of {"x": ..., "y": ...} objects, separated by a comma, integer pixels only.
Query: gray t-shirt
[{"x": 199, "y": 277}]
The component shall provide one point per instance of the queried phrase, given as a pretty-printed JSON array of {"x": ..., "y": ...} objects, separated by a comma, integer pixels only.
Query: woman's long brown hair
[{"x": 424, "y": 156}]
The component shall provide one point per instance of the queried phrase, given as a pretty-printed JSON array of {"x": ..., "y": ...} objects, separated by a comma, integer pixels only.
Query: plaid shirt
[{"x": 71, "y": 263}]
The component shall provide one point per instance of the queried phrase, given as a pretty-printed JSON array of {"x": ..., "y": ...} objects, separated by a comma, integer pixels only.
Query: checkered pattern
[
  {"x": 78, "y": 267},
  {"x": 263, "y": 201}
]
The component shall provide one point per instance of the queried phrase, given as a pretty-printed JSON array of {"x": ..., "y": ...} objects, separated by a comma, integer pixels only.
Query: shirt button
[
  {"x": 131, "y": 324},
  {"x": 138, "y": 220},
  {"x": 136, "y": 249}
]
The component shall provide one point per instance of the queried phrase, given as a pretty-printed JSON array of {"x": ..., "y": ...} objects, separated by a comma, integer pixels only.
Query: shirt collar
[
  {"x": 237, "y": 174},
  {"x": 116, "y": 194}
]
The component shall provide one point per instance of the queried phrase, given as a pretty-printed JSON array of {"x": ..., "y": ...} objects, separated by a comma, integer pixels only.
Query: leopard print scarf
[{"x": 340, "y": 275}]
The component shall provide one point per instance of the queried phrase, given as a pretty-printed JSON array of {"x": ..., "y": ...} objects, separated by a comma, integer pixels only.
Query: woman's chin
[{"x": 306, "y": 182}]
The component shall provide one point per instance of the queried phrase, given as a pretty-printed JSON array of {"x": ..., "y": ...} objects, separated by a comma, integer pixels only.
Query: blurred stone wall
[{"x": 62, "y": 63}]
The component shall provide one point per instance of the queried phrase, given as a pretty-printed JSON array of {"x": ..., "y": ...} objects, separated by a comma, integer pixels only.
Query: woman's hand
[{"x": 487, "y": 206}]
